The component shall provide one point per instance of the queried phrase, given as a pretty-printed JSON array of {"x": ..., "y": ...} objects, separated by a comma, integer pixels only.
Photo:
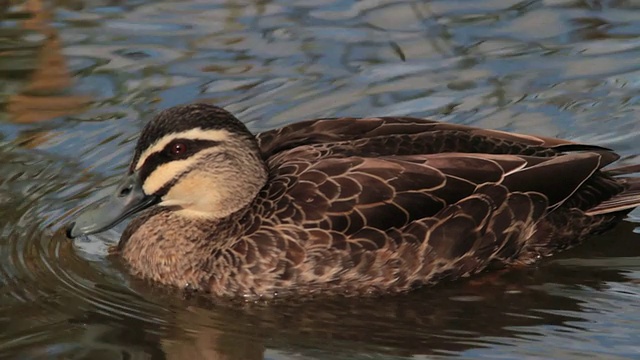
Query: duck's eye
[{"x": 177, "y": 149}]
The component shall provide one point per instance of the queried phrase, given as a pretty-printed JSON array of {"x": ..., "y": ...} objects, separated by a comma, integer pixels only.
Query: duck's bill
[{"x": 128, "y": 199}]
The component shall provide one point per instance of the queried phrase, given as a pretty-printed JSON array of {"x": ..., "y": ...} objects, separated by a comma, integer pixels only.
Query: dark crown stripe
[
  {"x": 163, "y": 156},
  {"x": 183, "y": 118}
]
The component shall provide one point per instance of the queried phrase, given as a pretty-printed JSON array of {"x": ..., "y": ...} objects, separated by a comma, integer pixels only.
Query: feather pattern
[{"x": 359, "y": 206}]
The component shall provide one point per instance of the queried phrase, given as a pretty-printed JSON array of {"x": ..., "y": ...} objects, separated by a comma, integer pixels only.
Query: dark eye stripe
[{"x": 162, "y": 156}]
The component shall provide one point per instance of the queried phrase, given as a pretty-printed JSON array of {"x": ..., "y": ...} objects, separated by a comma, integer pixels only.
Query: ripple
[{"x": 148, "y": 27}]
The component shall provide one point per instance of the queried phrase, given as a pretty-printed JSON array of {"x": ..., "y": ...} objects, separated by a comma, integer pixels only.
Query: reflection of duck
[{"x": 349, "y": 206}]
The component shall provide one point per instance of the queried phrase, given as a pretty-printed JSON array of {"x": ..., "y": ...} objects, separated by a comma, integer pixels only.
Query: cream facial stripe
[
  {"x": 192, "y": 134},
  {"x": 167, "y": 172}
]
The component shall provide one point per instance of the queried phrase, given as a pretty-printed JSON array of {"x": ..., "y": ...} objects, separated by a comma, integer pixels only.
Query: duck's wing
[
  {"x": 347, "y": 195},
  {"x": 413, "y": 219},
  {"x": 380, "y": 136}
]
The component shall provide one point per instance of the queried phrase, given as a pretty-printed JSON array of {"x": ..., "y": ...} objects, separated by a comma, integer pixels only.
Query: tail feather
[
  {"x": 626, "y": 200},
  {"x": 623, "y": 170}
]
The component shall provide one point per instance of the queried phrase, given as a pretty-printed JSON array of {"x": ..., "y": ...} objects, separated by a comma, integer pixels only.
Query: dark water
[{"x": 79, "y": 78}]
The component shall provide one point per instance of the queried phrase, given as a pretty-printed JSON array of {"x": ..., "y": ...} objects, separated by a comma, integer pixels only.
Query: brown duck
[{"x": 349, "y": 206}]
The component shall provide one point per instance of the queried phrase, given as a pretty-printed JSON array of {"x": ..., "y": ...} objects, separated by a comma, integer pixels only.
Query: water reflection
[
  {"x": 47, "y": 93},
  {"x": 79, "y": 78}
]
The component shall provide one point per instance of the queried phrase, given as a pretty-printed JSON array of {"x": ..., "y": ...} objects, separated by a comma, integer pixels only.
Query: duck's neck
[{"x": 165, "y": 247}]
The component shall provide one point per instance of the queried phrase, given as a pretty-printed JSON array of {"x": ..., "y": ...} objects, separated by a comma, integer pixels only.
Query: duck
[{"x": 349, "y": 206}]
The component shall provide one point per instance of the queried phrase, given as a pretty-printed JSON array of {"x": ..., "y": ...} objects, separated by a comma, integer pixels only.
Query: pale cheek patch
[
  {"x": 193, "y": 134},
  {"x": 164, "y": 174},
  {"x": 200, "y": 194}
]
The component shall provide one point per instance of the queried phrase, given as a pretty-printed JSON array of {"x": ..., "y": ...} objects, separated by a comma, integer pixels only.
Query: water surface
[{"x": 78, "y": 80}]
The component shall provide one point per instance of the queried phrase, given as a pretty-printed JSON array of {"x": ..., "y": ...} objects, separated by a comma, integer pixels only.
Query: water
[{"x": 78, "y": 79}]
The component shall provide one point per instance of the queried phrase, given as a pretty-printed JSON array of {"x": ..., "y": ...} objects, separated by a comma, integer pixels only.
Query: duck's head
[{"x": 197, "y": 160}]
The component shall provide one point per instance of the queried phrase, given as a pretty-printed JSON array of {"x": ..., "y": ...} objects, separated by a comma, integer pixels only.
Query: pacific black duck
[{"x": 349, "y": 206}]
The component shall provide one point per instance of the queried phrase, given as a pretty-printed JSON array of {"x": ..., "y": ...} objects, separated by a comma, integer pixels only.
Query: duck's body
[{"x": 356, "y": 206}]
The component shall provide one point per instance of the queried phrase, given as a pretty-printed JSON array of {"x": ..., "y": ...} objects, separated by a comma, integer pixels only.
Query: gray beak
[{"x": 128, "y": 199}]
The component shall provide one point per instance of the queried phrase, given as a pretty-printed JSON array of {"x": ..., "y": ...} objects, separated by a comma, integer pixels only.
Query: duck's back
[{"x": 387, "y": 204}]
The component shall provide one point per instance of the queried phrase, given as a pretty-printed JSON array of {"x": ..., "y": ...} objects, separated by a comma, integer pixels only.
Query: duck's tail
[{"x": 628, "y": 199}]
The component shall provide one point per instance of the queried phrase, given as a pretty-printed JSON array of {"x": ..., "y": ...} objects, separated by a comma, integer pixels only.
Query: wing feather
[
  {"x": 349, "y": 194},
  {"x": 380, "y": 136},
  {"x": 407, "y": 201}
]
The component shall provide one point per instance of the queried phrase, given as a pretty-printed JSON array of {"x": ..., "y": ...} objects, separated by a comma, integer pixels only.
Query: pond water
[{"x": 79, "y": 78}]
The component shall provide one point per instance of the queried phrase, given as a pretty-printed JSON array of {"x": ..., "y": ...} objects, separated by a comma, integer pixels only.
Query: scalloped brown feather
[{"x": 383, "y": 205}]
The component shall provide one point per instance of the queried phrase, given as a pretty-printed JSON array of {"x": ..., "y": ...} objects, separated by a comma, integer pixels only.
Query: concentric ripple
[
  {"x": 80, "y": 78},
  {"x": 46, "y": 284}
]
